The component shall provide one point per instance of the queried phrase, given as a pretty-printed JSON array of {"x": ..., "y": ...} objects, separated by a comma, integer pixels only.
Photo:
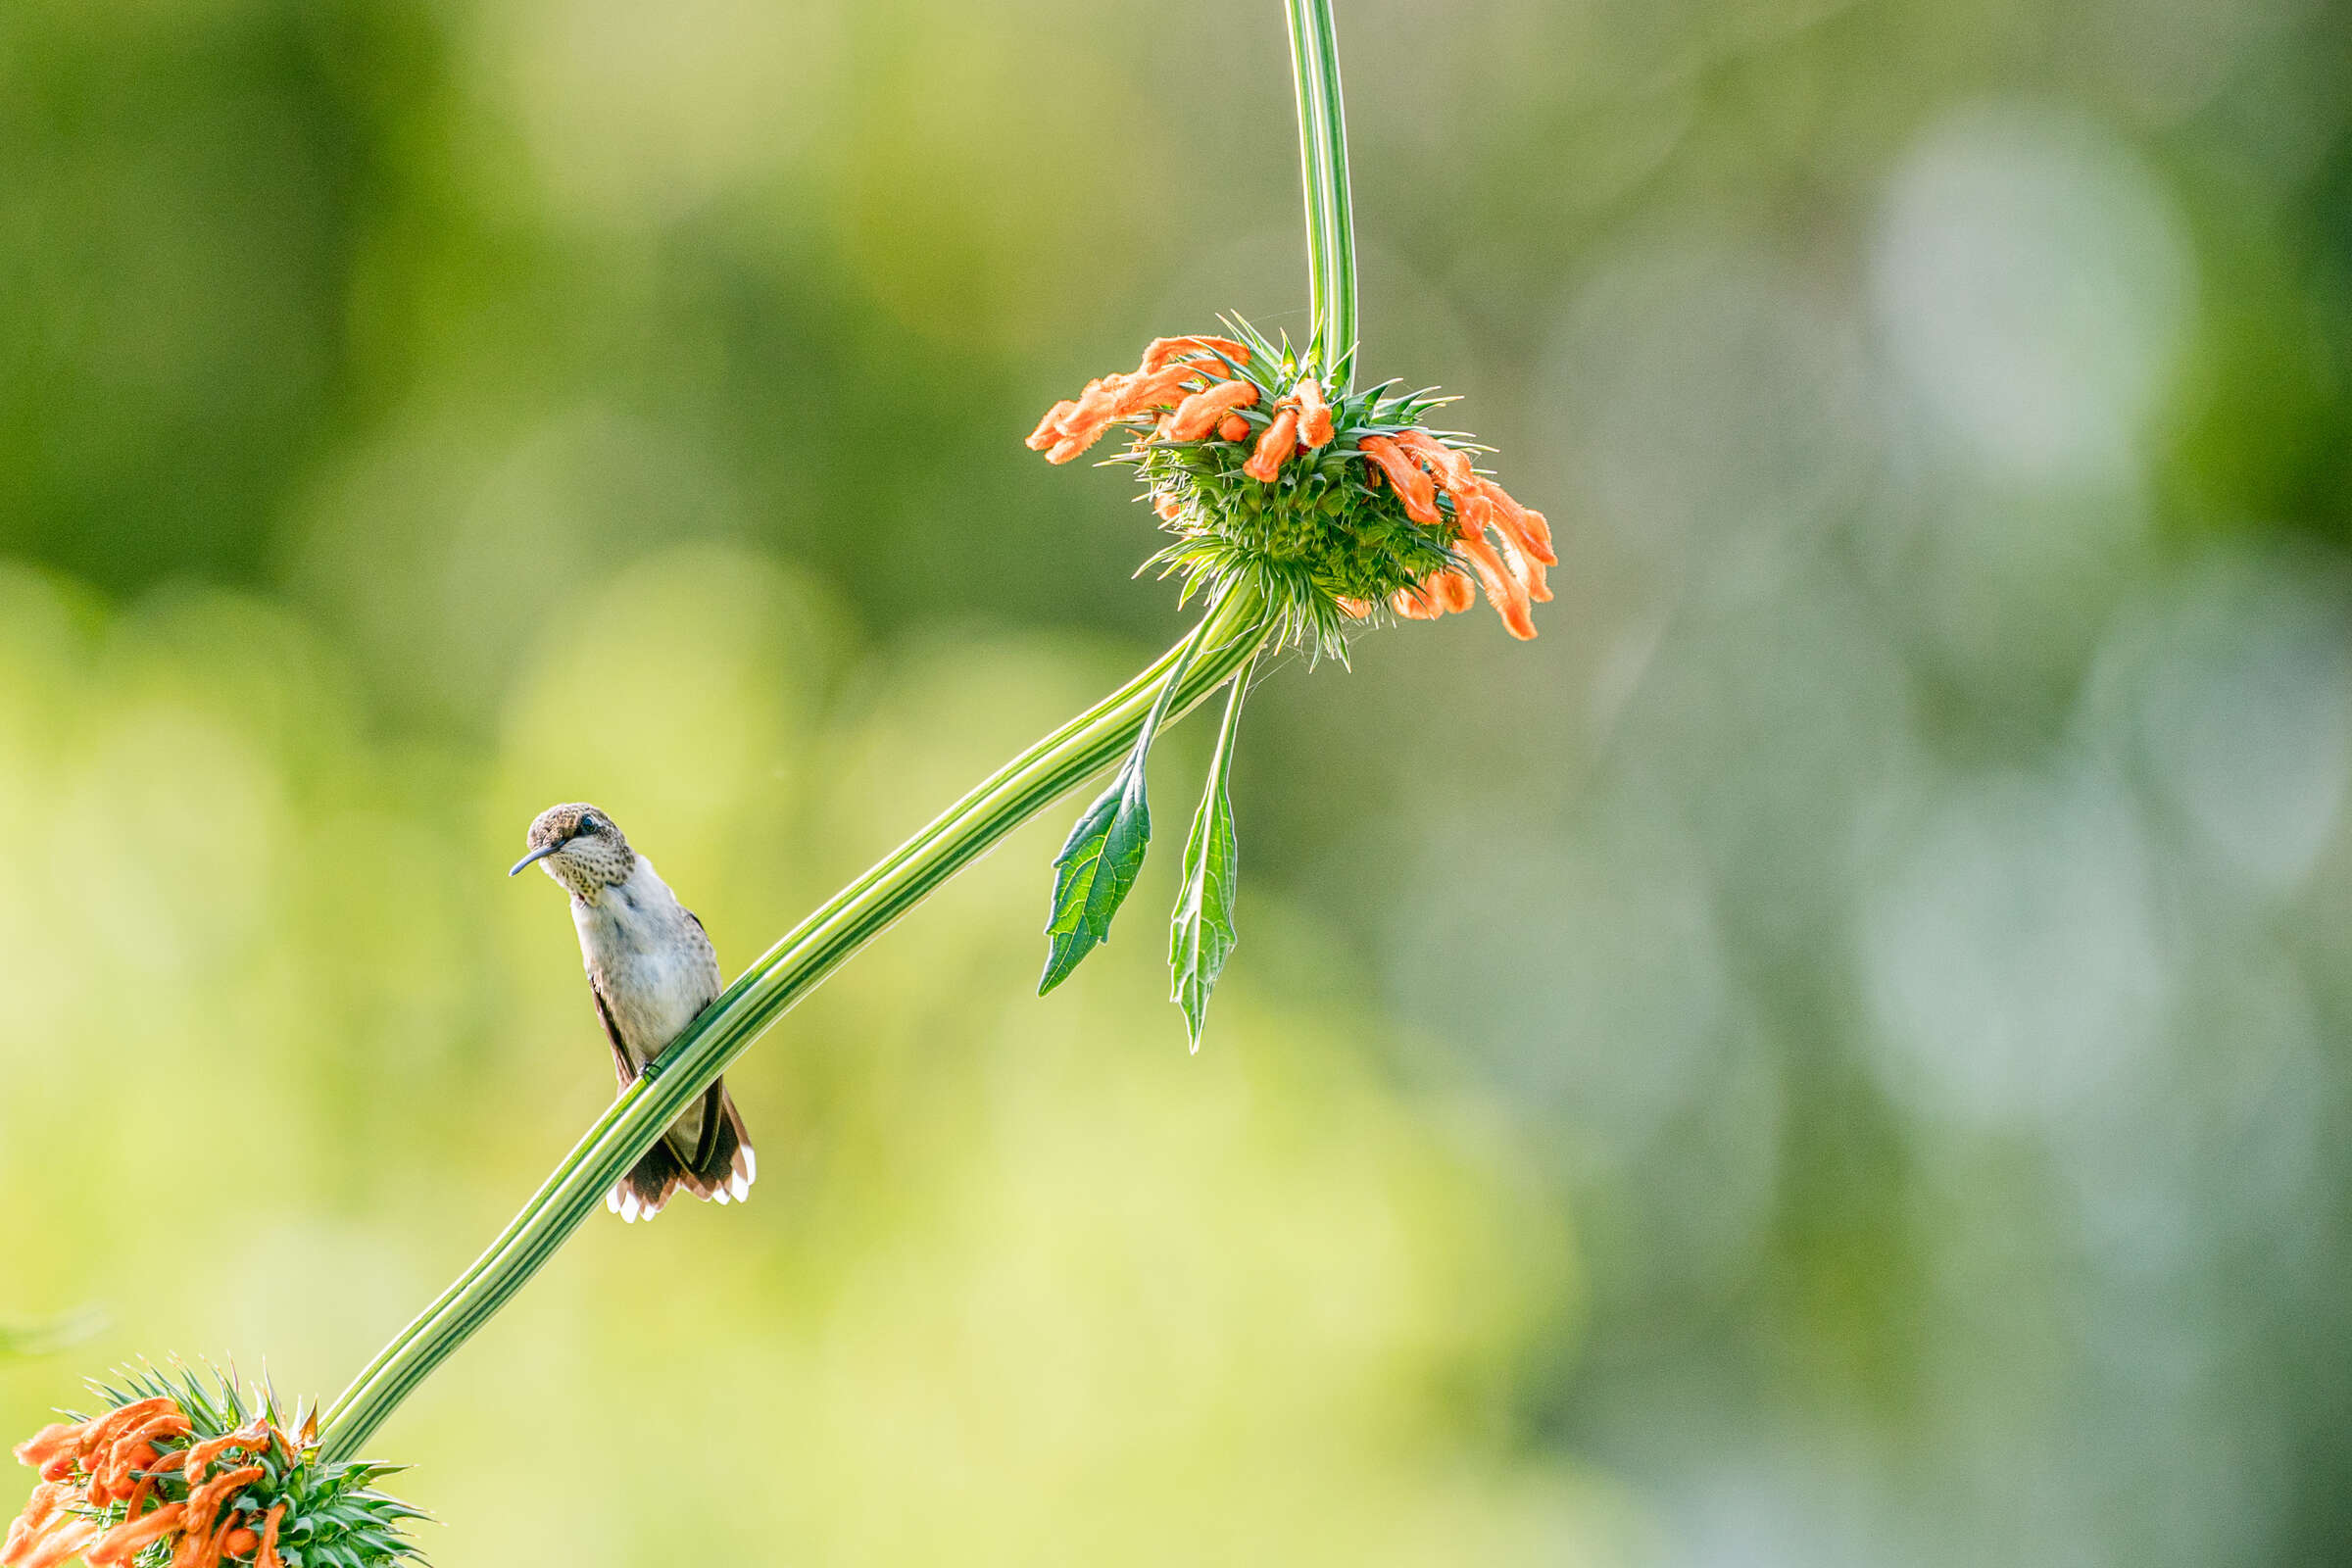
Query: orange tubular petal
[
  {"x": 1526, "y": 528},
  {"x": 1155, "y": 390},
  {"x": 1197, "y": 414},
  {"x": 1530, "y": 573},
  {"x": 65, "y": 1542},
  {"x": 1274, "y": 447},
  {"x": 1473, "y": 514},
  {"x": 107, "y": 1428},
  {"x": 205, "y": 1502},
  {"x": 1416, "y": 604},
  {"x": 217, "y": 1547},
  {"x": 267, "y": 1556},
  {"x": 1167, "y": 508},
  {"x": 1455, "y": 592},
  {"x": 1164, "y": 348},
  {"x": 1314, "y": 414},
  {"x": 133, "y": 1536},
  {"x": 1451, "y": 467},
  {"x": 44, "y": 1445},
  {"x": 33, "y": 1522},
  {"x": 1354, "y": 609},
  {"x": 1525, "y": 570},
  {"x": 1505, "y": 592},
  {"x": 238, "y": 1540},
  {"x": 1074, "y": 445},
  {"x": 194, "y": 1548},
  {"x": 1538, "y": 588},
  {"x": 125, "y": 1453},
  {"x": 1233, "y": 427},
  {"x": 1413, "y": 487},
  {"x": 1049, "y": 429},
  {"x": 221, "y": 1486},
  {"x": 1100, "y": 401}
]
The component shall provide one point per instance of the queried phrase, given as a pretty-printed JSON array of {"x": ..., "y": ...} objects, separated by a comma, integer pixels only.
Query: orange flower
[
  {"x": 205, "y": 1501},
  {"x": 1451, "y": 467},
  {"x": 1314, "y": 414},
  {"x": 114, "y": 1458},
  {"x": 47, "y": 1498},
  {"x": 1511, "y": 572},
  {"x": 134, "y": 1450},
  {"x": 67, "y": 1540},
  {"x": 247, "y": 1438},
  {"x": 1073, "y": 425},
  {"x": 102, "y": 1446},
  {"x": 134, "y": 1535},
  {"x": 1440, "y": 593},
  {"x": 1196, "y": 414},
  {"x": 1506, "y": 590},
  {"x": 45, "y": 1448},
  {"x": 1413, "y": 487},
  {"x": 170, "y": 1481},
  {"x": 1164, "y": 348},
  {"x": 1274, "y": 447},
  {"x": 1335, "y": 519}
]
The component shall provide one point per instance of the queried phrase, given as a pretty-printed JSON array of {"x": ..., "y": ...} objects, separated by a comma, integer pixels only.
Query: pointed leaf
[
  {"x": 1096, "y": 869},
  {"x": 1202, "y": 936},
  {"x": 1098, "y": 865}
]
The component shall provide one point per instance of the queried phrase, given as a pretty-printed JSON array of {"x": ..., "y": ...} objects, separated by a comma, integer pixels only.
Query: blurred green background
[{"x": 1834, "y": 1056}]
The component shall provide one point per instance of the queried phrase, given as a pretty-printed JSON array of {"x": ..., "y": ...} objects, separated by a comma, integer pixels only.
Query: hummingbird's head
[{"x": 580, "y": 846}]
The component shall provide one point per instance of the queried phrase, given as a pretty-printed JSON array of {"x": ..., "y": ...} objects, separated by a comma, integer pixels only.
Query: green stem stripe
[
  {"x": 1323, "y": 172},
  {"x": 764, "y": 991}
]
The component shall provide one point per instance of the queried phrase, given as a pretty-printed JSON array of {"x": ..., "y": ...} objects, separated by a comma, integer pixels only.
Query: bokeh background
[{"x": 1834, "y": 1056}]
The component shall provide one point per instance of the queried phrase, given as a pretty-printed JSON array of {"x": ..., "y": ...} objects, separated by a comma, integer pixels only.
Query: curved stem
[
  {"x": 1323, "y": 168},
  {"x": 764, "y": 991}
]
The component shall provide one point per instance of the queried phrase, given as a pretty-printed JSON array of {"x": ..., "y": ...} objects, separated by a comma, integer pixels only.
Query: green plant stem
[
  {"x": 784, "y": 974},
  {"x": 1323, "y": 168}
]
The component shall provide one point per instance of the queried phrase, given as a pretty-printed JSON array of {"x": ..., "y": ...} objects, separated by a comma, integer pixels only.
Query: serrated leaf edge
[{"x": 1202, "y": 935}]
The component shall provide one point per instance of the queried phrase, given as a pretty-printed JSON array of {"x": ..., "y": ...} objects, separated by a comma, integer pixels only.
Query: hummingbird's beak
[{"x": 535, "y": 854}]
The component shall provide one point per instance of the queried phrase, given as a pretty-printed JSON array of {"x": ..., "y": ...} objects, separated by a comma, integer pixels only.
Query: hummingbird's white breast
[{"x": 648, "y": 958}]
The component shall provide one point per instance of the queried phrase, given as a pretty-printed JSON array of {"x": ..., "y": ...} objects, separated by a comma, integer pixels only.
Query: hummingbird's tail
[{"x": 719, "y": 1165}]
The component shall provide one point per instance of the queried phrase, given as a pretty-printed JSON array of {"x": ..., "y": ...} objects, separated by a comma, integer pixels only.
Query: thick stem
[
  {"x": 764, "y": 991},
  {"x": 1323, "y": 169}
]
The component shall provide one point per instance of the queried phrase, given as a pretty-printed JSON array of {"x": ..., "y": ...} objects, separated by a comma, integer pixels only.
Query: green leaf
[
  {"x": 1096, "y": 868},
  {"x": 1202, "y": 936},
  {"x": 1097, "y": 864}
]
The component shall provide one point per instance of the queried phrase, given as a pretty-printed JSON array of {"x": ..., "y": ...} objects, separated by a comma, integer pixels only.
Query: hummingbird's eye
[{"x": 589, "y": 823}]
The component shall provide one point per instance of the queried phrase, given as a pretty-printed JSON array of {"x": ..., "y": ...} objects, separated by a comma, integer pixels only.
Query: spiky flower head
[
  {"x": 179, "y": 1473},
  {"x": 1335, "y": 505}
]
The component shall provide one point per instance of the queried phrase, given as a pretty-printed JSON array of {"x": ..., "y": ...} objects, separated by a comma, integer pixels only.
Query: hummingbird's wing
[
  {"x": 622, "y": 1063},
  {"x": 691, "y": 1132},
  {"x": 705, "y": 1150},
  {"x": 650, "y": 1182}
]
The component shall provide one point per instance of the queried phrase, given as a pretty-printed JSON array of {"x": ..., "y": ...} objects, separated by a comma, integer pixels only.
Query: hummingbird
[{"x": 651, "y": 970}]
